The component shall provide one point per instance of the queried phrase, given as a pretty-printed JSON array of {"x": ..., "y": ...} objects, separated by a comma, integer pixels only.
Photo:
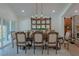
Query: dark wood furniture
[
  {"x": 21, "y": 40},
  {"x": 52, "y": 39},
  {"x": 40, "y": 23},
  {"x": 68, "y": 26},
  {"x": 38, "y": 40},
  {"x": 61, "y": 41},
  {"x": 67, "y": 39}
]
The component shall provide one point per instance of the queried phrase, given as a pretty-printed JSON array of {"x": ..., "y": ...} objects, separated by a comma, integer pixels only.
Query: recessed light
[
  {"x": 76, "y": 11},
  {"x": 22, "y": 11},
  {"x": 53, "y": 11}
]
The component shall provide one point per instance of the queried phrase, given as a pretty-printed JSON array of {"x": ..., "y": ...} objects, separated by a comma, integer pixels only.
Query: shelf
[{"x": 41, "y": 23}]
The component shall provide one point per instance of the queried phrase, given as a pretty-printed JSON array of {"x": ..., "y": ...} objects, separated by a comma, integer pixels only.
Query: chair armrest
[{"x": 61, "y": 40}]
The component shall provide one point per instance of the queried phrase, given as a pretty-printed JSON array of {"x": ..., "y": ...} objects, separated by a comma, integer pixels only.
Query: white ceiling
[
  {"x": 62, "y": 9},
  {"x": 71, "y": 11},
  {"x": 30, "y": 8}
]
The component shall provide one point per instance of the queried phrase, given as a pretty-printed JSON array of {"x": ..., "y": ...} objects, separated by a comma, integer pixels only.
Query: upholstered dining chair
[
  {"x": 52, "y": 41},
  {"x": 38, "y": 40},
  {"x": 67, "y": 39},
  {"x": 29, "y": 38},
  {"x": 13, "y": 36},
  {"x": 21, "y": 40}
]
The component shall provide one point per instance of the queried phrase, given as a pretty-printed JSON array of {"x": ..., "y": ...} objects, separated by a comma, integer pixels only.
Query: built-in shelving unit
[{"x": 40, "y": 23}]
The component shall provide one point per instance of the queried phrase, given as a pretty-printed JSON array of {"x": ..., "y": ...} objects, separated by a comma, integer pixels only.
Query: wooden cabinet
[
  {"x": 40, "y": 23},
  {"x": 67, "y": 25},
  {"x": 72, "y": 24}
]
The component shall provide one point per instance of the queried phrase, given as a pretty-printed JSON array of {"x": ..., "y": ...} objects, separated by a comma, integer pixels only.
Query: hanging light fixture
[
  {"x": 36, "y": 15},
  {"x": 41, "y": 10},
  {"x": 36, "y": 11}
]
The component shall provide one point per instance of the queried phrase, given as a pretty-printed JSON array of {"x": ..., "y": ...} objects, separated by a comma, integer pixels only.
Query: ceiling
[
  {"x": 61, "y": 9},
  {"x": 73, "y": 10},
  {"x": 30, "y": 8}
]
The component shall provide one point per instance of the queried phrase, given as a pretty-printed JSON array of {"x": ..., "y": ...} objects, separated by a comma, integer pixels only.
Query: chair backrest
[
  {"x": 38, "y": 36},
  {"x": 20, "y": 37},
  {"x": 67, "y": 35},
  {"x": 13, "y": 35},
  {"x": 52, "y": 37}
]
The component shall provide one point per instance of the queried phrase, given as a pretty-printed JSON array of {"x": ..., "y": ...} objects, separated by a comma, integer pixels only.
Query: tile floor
[{"x": 9, "y": 51}]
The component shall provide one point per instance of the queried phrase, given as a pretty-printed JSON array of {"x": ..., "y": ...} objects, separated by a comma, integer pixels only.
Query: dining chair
[
  {"x": 38, "y": 40},
  {"x": 52, "y": 41},
  {"x": 29, "y": 38},
  {"x": 21, "y": 40},
  {"x": 13, "y": 36},
  {"x": 67, "y": 39}
]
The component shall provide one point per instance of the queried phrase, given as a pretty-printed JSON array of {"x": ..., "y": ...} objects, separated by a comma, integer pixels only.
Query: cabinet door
[
  {"x": 33, "y": 22},
  {"x": 47, "y": 21},
  {"x": 43, "y": 21},
  {"x": 38, "y": 22},
  {"x": 68, "y": 25}
]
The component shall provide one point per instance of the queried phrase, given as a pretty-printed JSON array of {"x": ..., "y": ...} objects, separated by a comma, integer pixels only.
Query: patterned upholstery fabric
[
  {"x": 38, "y": 37},
  {"x": 67, "y": 36},
  {"x": 52, "y": 38},
  {"x": 21, "y": 37}
]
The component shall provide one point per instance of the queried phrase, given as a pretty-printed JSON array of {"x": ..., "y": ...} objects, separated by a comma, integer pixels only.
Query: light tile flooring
[
  {"x": 9, "y": 51},
  {"x": 74, "y": 50}
]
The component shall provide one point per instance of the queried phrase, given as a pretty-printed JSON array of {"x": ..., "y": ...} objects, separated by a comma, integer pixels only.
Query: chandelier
[{"x": 36, "y": 11}]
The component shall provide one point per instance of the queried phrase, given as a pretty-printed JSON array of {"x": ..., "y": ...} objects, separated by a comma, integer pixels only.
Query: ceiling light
[
  {"x": 22, "y": 10},
  {"x": 53, "y": 11},
  {"x": 76, "y": 11}
]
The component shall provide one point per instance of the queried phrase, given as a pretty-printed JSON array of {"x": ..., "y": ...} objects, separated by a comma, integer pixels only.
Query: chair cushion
[
  {"x": 23, "y": 44},
  {"x": 39, "y": 44},
  {"x": 38, "y": 38}
]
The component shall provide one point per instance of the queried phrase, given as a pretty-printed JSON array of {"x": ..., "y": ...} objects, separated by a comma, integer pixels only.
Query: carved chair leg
[
  {"x": 17, "y": 49},
  {"x": 42, "y": 49},
  {"x": 56, "y": 47},
  {"x": 68, "y": 45},
  {"x": 60, "y": 45},
  {"x": 25, "y": 49},
  {"x": 56, "y": 50},
  {"x": 47, "y": 50},
  {"x": 34, "y": 49},
  {"x": 12, "y": 43}
]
